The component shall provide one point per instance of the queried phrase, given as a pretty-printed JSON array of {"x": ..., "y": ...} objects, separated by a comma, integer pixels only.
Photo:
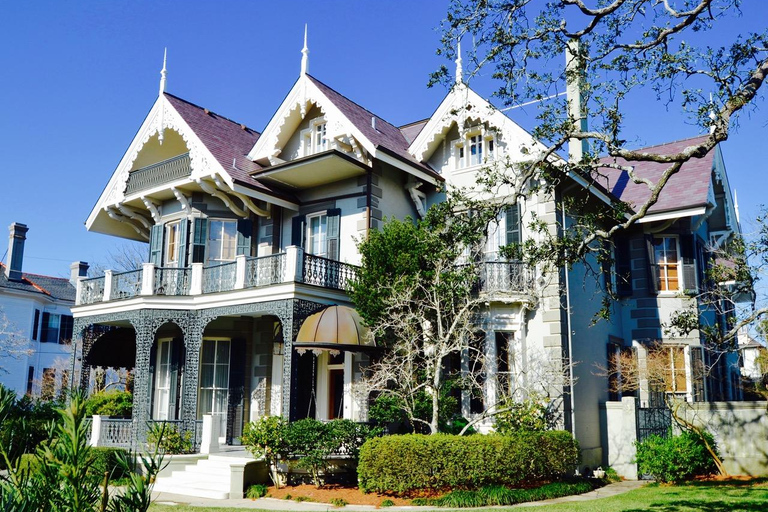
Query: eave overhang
[{"x": 314, "y": 170}]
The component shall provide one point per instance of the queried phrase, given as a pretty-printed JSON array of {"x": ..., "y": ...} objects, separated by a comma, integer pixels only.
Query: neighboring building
[
  {"x": 249, "y": 234},
  {"x": 752, "y": 357},
  {"x": 38, "y": 323}
]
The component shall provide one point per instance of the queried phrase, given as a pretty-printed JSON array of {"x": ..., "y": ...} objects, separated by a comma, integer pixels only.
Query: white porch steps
[{"x": 209, "y": 478}]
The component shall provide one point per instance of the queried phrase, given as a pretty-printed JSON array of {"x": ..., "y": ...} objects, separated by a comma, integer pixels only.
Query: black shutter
[
  {"x": 199, "y": 239},
  {"x": 156, "y": 245},
  {"x": 244, "y": 235},
  {"x": 623, "y": 267},
  {"x": 36, "y": 325},
  {"x": 653, "y": 271},
  {"x": 333, "y": 222},
  {"x": 688, "y": 253},
  {"x": 183, "y": 243},
  {"x": 236, "y": 384},
  {"x": 298, "y": 224}
]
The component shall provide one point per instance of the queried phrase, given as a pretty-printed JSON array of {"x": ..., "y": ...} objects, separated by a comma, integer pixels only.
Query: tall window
[
  {"x": 162, "y": 380},
  {"x": 315, "y": 137},
  {"x": 675, "y": 379},
  {"x": 214, "y": 380},
  {"x": 56, "y": 328},
  {"x": 667, "y": 258},
  {"x": 222, "y": 240},
  {"x": 171, "y": 243},
  {"x": 317, "y": 234},
  {"x": 476, "y": 148}
]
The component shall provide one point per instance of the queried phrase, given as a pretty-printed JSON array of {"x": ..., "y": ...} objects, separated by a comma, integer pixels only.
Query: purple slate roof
[
  {"x": 384, "y": 136},
  {"x": 411, "y": 131},
  {"x": 686, "y": 189},
  {"x": 55, "y": 287},
  {"x": 225, "y": 139}
]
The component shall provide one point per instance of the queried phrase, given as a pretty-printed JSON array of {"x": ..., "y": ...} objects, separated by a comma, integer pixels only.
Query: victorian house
[{"x": 241, "y": 311}]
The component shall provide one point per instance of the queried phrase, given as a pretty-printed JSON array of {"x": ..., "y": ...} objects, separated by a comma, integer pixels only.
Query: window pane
[
  {"x": 222, "y": 352},
  {"x": 206, "y": 375},
  {"x": 229, "y": 240},
  {"x": 222, "y": 377},
  {"x": 209, "y": 351},
  {"x": 205, "y": 402}
]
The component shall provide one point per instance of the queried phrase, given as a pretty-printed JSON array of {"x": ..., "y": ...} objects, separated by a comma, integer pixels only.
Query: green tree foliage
[
  {"x": 266, "y": 438},
  {"x": 110, "y": 403},
  {"x": 675, "y": 458}
]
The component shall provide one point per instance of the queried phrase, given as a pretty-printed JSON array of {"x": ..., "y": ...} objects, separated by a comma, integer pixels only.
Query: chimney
[
  {"x": 574, "y": 83},
  {"x": 16, "y": 250},
  {"x": 77, "y": 269}
]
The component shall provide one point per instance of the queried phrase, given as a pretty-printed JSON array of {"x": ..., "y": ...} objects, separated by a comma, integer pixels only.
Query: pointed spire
[
  {"x": 459, "y": 71},
  {"x": 305, "y": 54},
  {"x": 712, "y": 116},
  {"x": 736, "y": 206},
  {"x": 163, "y": 72}
]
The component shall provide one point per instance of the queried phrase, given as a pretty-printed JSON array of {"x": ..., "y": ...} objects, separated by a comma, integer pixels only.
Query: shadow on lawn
[{"x": 737, "y": 500}]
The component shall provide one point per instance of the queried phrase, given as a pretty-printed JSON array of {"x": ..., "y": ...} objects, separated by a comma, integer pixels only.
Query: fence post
[
  {"x": 623, "y": 457},
  {"x": 95, "y": 430},
  {"x": 210, "y": 437}
]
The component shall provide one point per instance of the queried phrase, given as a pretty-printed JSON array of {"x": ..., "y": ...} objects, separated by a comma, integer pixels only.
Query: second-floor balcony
[
  {"x": 292, "y": 266},
  {"x": 157, "y": 174}
]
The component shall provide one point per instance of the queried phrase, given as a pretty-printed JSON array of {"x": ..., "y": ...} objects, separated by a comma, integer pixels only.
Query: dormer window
[
  {"x": 171, "y": 244},
  {"x": 476, "y": 148},
  {"x": 314, "y": 138}
]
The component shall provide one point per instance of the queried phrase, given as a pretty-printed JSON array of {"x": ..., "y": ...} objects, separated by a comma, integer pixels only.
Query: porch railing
[
  {"x": 172, "y": 281},
  {"x": 113, "y": 432},
  {"x": 91, "y": 290},
  {"x": 158, "y": 174},
  {"x": 219, "y": 278},
  {"x": 505, "y": 277},
  {"x": 264, "y": 270},
  {"x": 327, "y": 273},
  {"x": 126, "y": 284}
]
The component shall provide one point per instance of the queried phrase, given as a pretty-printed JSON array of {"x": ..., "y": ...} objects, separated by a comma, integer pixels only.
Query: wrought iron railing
[
  {"x": 158, "y": 174},
  {"x": 219, "y": 278},
  {"x": 265, "y": 270},
  {"x": 327, "y": 273},
  {"x": 91, "y": 290},
  {"x": 505, "y": 277},
  {"x": 126, "y": 284},
  {"x": 115, "y": 432},
  {"x": 172, "y": 281}
]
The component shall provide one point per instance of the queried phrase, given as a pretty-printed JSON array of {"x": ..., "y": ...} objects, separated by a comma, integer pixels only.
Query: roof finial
[
  {"x": 736, "y": 206},
  {"x": 712, "y": 115},
  {"x": 163, "y": 73},
  {"x": 305, "y": 54},
  {"x": 459, "y": 72}
]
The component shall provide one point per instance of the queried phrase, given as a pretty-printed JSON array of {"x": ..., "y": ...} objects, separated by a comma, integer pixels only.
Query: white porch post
[
  {"x": 210, "y": 437},
  {"x": 148, "y": 279},
  {"x": 95, "y": 430},
  {"x": 107, "y": 286},
  {"x": 294, "y": 264},
  {"x": 196, "y": 280},
  {"x": 240, "y": 261}
]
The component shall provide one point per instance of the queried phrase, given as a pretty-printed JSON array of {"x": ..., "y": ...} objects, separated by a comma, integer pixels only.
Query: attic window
[
  {"x": 315, "y": 137},
  {"x": 476, "y": 148}
]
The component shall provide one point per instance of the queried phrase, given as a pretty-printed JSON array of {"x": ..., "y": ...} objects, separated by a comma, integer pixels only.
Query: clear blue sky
[{"x": 77, "y": 79}]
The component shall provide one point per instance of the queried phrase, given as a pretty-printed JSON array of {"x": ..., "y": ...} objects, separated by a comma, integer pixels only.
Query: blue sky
[{"x": 78, "y": 78}]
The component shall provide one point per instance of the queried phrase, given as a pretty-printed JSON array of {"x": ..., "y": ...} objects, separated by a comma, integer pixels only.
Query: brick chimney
[
  {"x": 16, "y": 250},
  {"x": 77, "y": 269}
]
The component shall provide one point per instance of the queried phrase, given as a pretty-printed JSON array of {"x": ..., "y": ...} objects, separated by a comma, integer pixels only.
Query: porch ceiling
[{"x": 314, "y": 170}]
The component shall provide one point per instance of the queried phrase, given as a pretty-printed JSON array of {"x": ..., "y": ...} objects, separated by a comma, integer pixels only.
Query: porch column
[
  {"x": 81, "y": 343},
  {"x": 142, "y": 398},
  {"x": 286, "y": 378},
  {"x": 193, "y": 342}
]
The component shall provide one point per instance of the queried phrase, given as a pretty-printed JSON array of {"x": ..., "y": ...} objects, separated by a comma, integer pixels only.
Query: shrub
[
  {"x": 498, "y": 495},
  {"x": 166, "y": 438},
  {"x": 526, "y": 416},
  {"x": 256, "y": 491},
  {"x": 408, "y": 463},
  {"x": 387, "y": 503},
  {"x": 675, "y": 458},
  {"x": 313, "y": 442},
  {"x": 266, "y": 438},
  {"x": 106, "y": 460},
  {"x": 110, "y": 403},
  {"x": 339, "y": 502}
]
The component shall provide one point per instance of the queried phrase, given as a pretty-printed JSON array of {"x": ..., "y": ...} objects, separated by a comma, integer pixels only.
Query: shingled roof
[
  {"x": 686, "y": 189},
  {"x": 57, "y": 288}
]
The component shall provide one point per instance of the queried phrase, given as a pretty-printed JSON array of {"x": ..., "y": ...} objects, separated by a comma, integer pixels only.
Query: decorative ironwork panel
[
  {"x": 505, "y": 277},
  {"x": 653, "y": 417},
  {"x": 197, "y": 437},
  {"x": 265, "y": 270},
  {"x": 219, "y": 278},
  {"x": 172, "y": 281},
  {"x": 158, "y": 174},
  {"x": 91, "y": 290},
  {"x": 126, "y": 284},
  {"x": 116, "y": 432},
  {"x": 327, "y": 273}
]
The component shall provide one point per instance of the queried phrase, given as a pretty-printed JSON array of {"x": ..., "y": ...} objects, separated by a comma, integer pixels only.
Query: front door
[{"x": 214, "y": 381}]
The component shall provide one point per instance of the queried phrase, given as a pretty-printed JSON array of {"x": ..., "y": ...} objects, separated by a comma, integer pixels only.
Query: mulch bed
[{"x": 325, "y": 494}]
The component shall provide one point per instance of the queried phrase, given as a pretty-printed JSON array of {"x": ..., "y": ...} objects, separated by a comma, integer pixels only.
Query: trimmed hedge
[{"x": 414, "y": 462}]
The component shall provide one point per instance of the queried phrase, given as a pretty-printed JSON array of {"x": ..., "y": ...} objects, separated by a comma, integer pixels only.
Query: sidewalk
[{"x": 162, "y": 498}]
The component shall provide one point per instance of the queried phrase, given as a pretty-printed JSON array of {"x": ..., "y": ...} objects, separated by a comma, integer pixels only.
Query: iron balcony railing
[
  {"x": 126, "y": 285},
  {"x": 157, "y": 174},
  {"x": 91, "y": 290},
  {"x": 499, "y": 277},
  {"x": 219, "y": 278},
  {"x": 327, "y": 273},
  {"x": 265, "y": 270}
]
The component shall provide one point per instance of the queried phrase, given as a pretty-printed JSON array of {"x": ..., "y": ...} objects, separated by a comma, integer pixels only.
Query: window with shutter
[
  {"x": 622, "y": 267},
  {"x": 333, "y": 233},
  {"x": 317, "y": 234},
  {"x": 244, "y": 232},
  {"x": 199, "y": 238},
  {"x": 513, "y": 225},
  {"x": 156, "y": 245}
]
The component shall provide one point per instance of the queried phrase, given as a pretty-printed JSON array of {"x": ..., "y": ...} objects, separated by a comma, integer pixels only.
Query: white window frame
[
  {"x": 215, "y": 261},
  {"x": 162, "y": 406},
  {"x": 475, "y": 138},
  {"x": 310, "y": 237},
  {"x": 662, "y": 268},
  {"x": 172, "y": 234},
  {"x": 310, "y": 142},
  {"x": 222, "y": 414}
]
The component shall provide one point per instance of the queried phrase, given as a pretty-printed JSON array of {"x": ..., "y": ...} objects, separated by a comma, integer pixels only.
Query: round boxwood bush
[
  {"x": 408, "y": 463},
  {"x": 675, "y": 458}
]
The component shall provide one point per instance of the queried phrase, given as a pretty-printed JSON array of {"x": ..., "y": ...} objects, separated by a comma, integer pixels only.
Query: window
[
  {"x": 56, "y": 328},
  {"x": 171, "y": 243},
  {"x": 317, "y": 234},
  {"x": 480, "y": 148},
  {"x": 30, "y": 379},
  {"x": 222, "y": 240},
  {"x": 674, "y": 378},
  {"x": 36, "y": 325},
  {"x": 667, "y": 258},
  {"x": 504, "y": 364},
  {"x": 315, "y": 139},
  {"x": 335, "y": 385},
  {"x": 48, "y": 386},
  {"x": 214, "y": 380}
]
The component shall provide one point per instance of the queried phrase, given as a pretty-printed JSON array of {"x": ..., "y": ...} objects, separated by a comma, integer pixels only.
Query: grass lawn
[{"x": 732, "y": 496}]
